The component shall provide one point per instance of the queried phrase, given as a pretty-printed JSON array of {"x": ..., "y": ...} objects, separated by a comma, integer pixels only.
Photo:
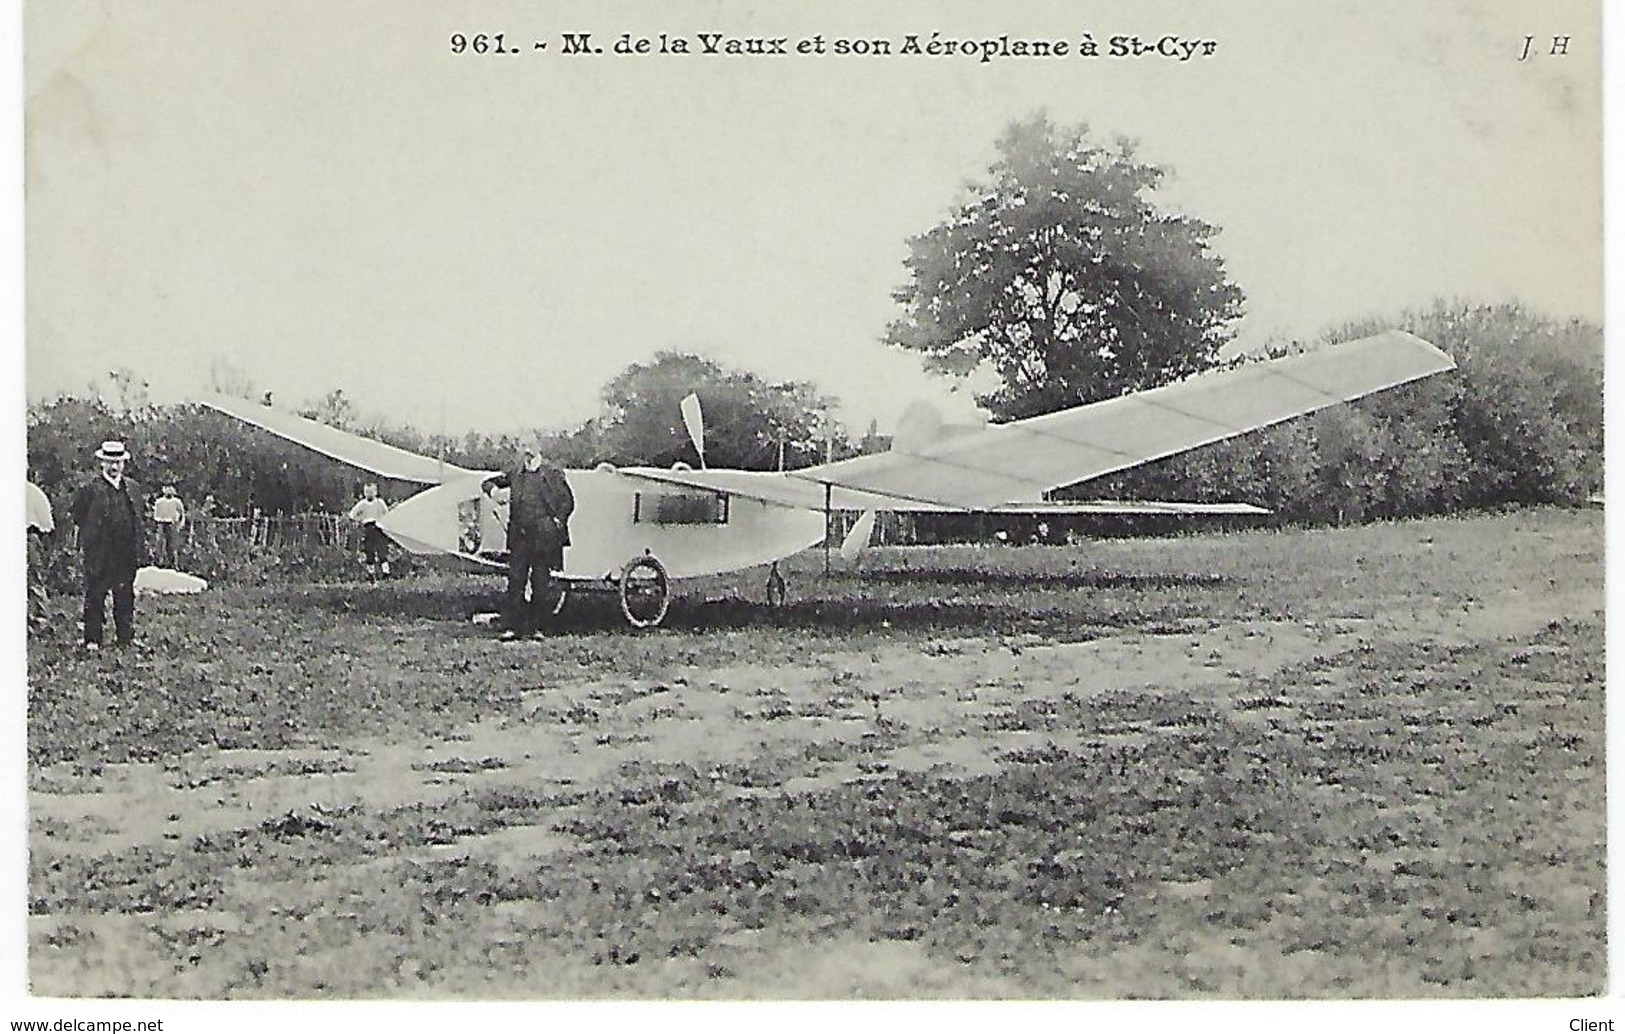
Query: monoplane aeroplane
[{"x": 636, "y": 529}]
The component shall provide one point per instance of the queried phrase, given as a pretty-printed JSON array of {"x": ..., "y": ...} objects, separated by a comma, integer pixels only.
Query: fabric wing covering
[
  {"x": 1133, "y": 507},
  {"x": 780, "y": 489},
  {"x": 1020, "y": 461},
  {"x": 386, "y": 461}
]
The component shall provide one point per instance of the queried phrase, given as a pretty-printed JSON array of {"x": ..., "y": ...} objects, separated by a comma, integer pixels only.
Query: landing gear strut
[
  {"x": 777, "y": 590},
  {"x": 563, "y": 591}
]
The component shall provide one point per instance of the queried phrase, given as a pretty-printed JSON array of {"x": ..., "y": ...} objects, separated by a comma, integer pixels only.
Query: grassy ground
[{"x": 1361, "y": 762}]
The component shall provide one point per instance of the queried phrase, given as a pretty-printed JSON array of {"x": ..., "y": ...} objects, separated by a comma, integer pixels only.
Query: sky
[{"x": 319, "y": 195}]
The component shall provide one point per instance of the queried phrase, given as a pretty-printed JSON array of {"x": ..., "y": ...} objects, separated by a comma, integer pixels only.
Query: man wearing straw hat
[{"x": 108, "y": 512}]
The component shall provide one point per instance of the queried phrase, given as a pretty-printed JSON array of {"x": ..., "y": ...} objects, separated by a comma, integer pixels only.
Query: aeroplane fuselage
[{"x": 618, "y": 517}]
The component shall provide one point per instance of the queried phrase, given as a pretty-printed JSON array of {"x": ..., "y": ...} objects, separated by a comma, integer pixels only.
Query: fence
[
  {"x": 273, "y": 531},
  {"x": 269, "y": 547}
]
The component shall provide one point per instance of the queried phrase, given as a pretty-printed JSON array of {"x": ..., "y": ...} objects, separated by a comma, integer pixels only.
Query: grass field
[{"x": 1335, "y": 763}]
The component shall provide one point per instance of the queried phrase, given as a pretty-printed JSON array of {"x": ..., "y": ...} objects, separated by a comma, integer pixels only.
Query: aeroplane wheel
[{"x": 645, "y": 592}]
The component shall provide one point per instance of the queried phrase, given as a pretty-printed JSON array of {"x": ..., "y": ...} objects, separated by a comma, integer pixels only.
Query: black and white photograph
[{"x": 562, "y": 502}]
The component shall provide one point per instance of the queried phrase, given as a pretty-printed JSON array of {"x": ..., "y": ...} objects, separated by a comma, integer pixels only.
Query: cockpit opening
[{"x": 668, "y": 507}]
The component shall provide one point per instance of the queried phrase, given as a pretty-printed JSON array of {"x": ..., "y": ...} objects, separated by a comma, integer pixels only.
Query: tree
[
  {"x": 126, "y": 393},
  {"x": 1062, "y": 273},
  {"x": 227, "y": 379},
  {"x": 747, "y": 419},
  {"x": 333, "y": 409},
  {"x": 62, "y": 434},
  {"x": 1523, "y": 412}
]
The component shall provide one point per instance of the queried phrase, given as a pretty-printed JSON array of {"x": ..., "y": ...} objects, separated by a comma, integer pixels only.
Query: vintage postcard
[{"x": 558, "y": 502}]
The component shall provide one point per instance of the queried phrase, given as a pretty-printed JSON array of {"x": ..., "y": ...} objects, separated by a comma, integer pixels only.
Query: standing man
[
  {"x": 170, "y": 516},
  {"x": 539, "y": 506},
  {"x": 40, "y": 525},
  {"x": 108, "y": 512},
  {"x": 374, "y": 543}
]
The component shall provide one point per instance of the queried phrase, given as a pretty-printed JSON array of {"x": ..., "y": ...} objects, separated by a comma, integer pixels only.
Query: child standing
[{"x": 374, "y": 544}]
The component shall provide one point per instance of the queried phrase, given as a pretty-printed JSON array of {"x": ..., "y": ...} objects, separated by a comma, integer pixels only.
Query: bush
[
  {"x": 227, "y": 554},
  {"x": 1519, "y": 422}
]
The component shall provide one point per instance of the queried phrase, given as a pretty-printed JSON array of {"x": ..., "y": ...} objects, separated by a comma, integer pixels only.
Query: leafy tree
[
  {"x": 1523, "y": 412},
  {"x": 580, "y": 448},
  {"x": 873, "y": 441},
  {"x": 1062, "y": 272},
  {"x": 62, "y": 434},
  {"x": 747, "y": 419},
  {"x": 334, "y": 409},
  {"x": 227, "y": 379},
  {"x": 125, "y": 392}
]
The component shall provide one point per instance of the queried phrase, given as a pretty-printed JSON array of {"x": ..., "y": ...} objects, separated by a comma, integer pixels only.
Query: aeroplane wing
[
  {"x": 769, "y": 487},
  {"x": 375, "y": 457},
  {"x": 1020, "y": 461},
  {"x": 1116, "y": 507},
  {"x": 1008, "y": 467}
]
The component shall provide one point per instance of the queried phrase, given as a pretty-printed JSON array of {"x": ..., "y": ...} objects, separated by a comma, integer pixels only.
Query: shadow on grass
[
  {"x": 835, "y": 615},
  {"x": 973, "y": 579},
  {"x": 844, "y": 609},
  {"x": 406, "y": 598}
]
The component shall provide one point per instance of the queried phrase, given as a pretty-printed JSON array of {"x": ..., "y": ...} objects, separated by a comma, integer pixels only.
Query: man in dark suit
[
  {"x": 539, "y": 506},
  {"x": 108, "y": 513}
]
